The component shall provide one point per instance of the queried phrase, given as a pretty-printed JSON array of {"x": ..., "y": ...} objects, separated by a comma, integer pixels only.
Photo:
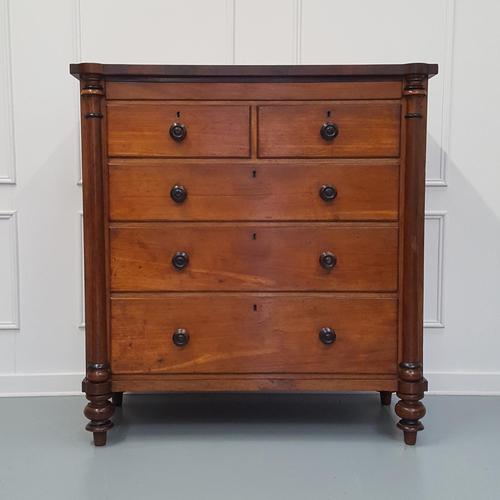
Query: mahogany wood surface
[
  {"x": 322, "y": 71},
  {"x": 140, "y": 190},
  {"x": 366, "y": 129},
  {"x": 254, "y": 309},
  {"x": 250, "y": 333},
  {"x": 259, "y": 91},
  {"x": 254, "y": 256},
  {"x": 142, "y": 129},
  {"x": 247, "y": 383}
]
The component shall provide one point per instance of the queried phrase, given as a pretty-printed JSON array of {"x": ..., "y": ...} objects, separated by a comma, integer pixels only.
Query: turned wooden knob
[
  {"x": 178, "y": 131},
  {"x": 178, "y": 193},
  {"x": 327, "y": 260},
  {"x": 328, "y": 192},
  {"x": 329, "y": 131},
  {"x": 180, "y": 337},
  {"x": 180, "y": 260},
  {"x": 327, "y": 335}
]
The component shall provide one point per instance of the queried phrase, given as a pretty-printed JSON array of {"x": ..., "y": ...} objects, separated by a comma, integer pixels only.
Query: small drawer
[
  {"x": 254, "y": 257},
  {"x": 254, "y": 333},
  {"x": 337, "y": 129},
  {"x": 160, "y": 129},
  {"x": 166, "y": 190}
]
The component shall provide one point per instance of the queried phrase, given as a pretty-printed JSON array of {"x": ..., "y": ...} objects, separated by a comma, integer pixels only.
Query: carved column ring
[
  {"x": 91, "y": 91},
  {"x": 410, "y": 372},
  {"x": 99, "y": 410},
  {"x": 410, "y": 411},
  {"x": 411, "y": 92},
  {"x": 97, "y": 372}
]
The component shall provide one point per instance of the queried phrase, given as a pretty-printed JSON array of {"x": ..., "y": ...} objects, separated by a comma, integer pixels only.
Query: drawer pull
[
  {"x": 180, "y": 337},
  {"x": 327, "y": 335},
  {"x": 328, "y": 260},
  {"x": 180, "y": 260},
  {"x": 178, "y": 132},
  {"x": 178, "y": 193},
  {"x": 329, "y": 131},
  {"x": 328, "y": 192}
]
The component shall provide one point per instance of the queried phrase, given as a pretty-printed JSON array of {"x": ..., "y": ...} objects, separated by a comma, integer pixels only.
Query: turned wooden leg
[
  {"x": 385, "y": 398},
  {"x": 99, "y": 409},
  {"x": 410, "y": 409},
  {"x": 117, "y": 399}
]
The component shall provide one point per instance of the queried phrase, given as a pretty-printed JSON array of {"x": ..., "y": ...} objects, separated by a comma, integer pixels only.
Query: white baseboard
[
  {"x": 69, "y": 384},
  {"x": 464, "y": 383},
  {"x": 40, "y": 384}
]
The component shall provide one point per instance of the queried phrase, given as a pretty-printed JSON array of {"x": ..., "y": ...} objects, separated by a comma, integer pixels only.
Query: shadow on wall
[{"x": 470, "y": 341}]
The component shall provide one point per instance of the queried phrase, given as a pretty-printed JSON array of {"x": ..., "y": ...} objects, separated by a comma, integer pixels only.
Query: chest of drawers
[{"x": 253, "y": 229}]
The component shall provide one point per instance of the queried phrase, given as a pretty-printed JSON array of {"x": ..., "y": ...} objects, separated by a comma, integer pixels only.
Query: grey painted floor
[{"x": 257, "y": 447}]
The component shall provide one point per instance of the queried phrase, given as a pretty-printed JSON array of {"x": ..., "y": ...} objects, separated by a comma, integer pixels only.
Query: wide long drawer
[
  {"x": 253, "y": 256},
  {"x": 169, "y": 190},
  {"x": 254, "y": 333}
]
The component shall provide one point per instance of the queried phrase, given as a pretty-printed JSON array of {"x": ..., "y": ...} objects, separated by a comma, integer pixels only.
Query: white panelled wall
[{"x": 41, "y": 319}]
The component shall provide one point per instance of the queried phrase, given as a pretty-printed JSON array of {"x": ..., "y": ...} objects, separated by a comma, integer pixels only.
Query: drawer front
[
  {"x": 253, "y": 333},
  {"x": 246, "y": 256},
  {"x": 144, "y": 129},
  {"x": 363, "y": 129},
  {"x": 292, "y": 191}
]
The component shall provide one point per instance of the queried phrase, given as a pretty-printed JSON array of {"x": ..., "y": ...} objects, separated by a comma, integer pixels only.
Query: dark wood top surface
[{"x": 271, "y": 71}]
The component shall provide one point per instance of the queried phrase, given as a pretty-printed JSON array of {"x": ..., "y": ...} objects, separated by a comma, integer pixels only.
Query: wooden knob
[
  {"x": 328, "y": 192},
  {"x": 178, "y": 193},
  {"x": 180, "y": 260},
  {"x": 329, "y": 131},
  {"x": 178, "y": 132},
  {"x": 327, "y": 335},
  {"x": 180, "y": 337},
  {"x": 328, "y": 260}
]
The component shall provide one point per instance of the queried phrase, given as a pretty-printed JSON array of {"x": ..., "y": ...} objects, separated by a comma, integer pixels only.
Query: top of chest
[{"x": 298, "y": 82}]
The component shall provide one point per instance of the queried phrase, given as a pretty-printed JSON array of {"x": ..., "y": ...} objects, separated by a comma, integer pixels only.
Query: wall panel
[
  {"x": 265, "y": 32},
  {"x": 7, "y": 156},
  {"x": 155, "y": 31},
  {"x": 9, "y": 272}
]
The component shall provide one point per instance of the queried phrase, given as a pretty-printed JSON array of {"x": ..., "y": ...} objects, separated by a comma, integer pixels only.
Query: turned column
[
  {"x": 412, "y": 384},
  {"x": 97, "y": 383}
]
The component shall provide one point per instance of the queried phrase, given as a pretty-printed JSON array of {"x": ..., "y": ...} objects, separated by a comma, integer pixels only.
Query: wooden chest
[{"x": 253, "y": 229}]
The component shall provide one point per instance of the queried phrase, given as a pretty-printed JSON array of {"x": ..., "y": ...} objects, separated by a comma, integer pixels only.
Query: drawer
[
  {"x": 141, "y": 190},
  {"x": 144, "y": 129},
  {"x": 363, "y": 129},
  {"x": 254, "y": 333},
  {"x": 252, "y": 256}
]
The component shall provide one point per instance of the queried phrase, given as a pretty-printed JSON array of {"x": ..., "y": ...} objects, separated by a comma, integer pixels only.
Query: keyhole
[
  {"x": 254, "y": 236},
  {"x": 255, "y": 307},
  {"x": 254, "y": 173},
  {"x": 178, "y": 114},
  {"x": 328, "y": 113}
]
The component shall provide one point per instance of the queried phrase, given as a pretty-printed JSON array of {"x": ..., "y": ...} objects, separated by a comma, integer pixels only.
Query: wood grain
[
  {"x": 252, "y": 333},
  {"x": 139, "y": 190},
  {"x": 253, "y": 256},
  {"x": 366, "y": 129},
  {"x": 245, "y": 383},
  {"x": 238, "y": 91},
  {"x": 151, "y": 72},
  {"x": 142, "y": 129}
]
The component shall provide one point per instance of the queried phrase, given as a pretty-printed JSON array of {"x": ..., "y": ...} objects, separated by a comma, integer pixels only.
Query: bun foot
[
  {"x": 100, "y": 438},
  {"x": 117, "y": 399},
  {"x": 410, "y": 409},
  {"x": 410, "y": 437},
  {"x": 385, "y": 398}
]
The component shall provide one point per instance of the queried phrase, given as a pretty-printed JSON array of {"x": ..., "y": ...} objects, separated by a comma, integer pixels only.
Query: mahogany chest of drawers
[{"x": 253, "y": 229}]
